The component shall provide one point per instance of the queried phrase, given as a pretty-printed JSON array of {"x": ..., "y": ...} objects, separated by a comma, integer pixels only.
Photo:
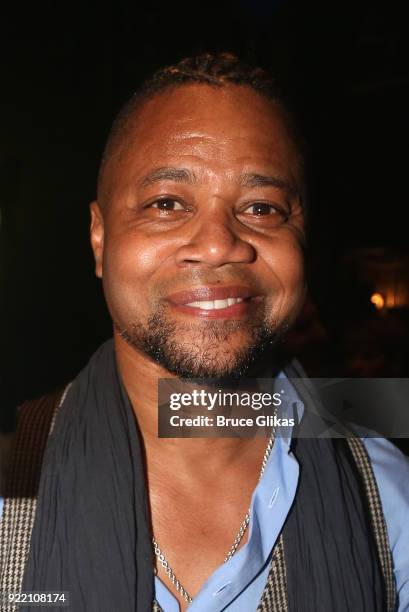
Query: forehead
[{"x": 215, "y": 129}]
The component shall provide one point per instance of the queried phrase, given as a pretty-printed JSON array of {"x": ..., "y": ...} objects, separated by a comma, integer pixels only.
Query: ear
[{"x": 97, "y": 236}]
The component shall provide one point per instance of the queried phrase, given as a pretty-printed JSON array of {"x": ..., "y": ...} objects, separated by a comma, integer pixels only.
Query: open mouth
[
  {"x": 229, "y": 302},
  {"x": 215, "y": 304}
]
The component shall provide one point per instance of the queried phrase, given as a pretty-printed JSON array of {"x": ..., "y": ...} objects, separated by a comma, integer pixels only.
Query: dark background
[{"x": 67, "y": 68}]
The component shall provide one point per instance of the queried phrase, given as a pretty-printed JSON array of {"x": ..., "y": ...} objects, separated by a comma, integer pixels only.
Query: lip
[
  {"x": 210, "y": 293},
  {"x": 236, "y": 311}
]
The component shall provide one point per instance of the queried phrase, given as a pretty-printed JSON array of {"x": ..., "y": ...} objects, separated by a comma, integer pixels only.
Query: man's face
[{"x": 199, "y": 243}]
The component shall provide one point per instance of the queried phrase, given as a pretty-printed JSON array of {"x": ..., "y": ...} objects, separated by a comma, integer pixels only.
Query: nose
[{"x": 213, "y": 240}]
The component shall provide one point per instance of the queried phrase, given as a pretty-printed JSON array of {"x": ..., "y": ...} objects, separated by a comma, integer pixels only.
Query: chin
[
  {"x": 209, "y": 360},
  {"x": 214, "y": 351}
]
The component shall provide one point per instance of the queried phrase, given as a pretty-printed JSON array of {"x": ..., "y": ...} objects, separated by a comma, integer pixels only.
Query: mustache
[{"x": 193, "y": 280}]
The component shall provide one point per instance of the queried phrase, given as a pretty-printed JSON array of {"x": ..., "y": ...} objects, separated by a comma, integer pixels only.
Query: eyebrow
[
  {"x": 261, "y": 180},
  {"x": 183, "y": 175},
  {"x": 177, "y": 175}
]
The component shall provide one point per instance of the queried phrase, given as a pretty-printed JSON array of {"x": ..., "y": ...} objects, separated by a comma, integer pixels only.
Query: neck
[{"x": 140, "y": 377}]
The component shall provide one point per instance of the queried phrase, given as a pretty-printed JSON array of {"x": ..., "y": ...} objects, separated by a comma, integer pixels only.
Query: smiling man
[
  {"x": 200, "y": 203},
  {"x": 198, "y": 233}
]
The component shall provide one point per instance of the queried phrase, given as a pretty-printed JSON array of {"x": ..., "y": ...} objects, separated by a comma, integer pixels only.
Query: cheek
[
  {"x": 129, "y": 266},
  {"x": 133, "y": 258},
  {"x": 286, "y": 263}
]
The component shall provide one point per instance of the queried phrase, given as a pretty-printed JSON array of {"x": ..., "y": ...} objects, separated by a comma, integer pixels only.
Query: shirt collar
[{"x": 291, "y": 407}]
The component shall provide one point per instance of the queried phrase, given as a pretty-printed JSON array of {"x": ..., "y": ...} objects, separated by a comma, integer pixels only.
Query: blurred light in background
[
  {"x": 378, "y": 300},
  {"x": 386, "y": 271}
]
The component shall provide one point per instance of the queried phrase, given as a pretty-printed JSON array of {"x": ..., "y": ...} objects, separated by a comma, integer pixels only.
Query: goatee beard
[{"x": 202, "y": 360}]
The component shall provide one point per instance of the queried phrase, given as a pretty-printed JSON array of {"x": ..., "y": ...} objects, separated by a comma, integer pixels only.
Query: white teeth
[
  {"x": 220, "y": 304},
  {"x": 214, "y": 304},
  {"x": 203, "y": 305}
]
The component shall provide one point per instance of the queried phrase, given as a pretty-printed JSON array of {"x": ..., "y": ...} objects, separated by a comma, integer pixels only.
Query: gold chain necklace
[{"x": 164, "y": 562}]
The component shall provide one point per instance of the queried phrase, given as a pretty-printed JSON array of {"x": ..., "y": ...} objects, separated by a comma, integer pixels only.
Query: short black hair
[{"x": 216, "y": 70}]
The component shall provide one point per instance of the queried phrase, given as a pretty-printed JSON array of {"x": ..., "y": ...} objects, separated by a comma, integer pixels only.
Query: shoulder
[
  {"x": 6, "y": 445},
  {"x": 34, "y": 418},
  {"x": 391, "y": 470}
]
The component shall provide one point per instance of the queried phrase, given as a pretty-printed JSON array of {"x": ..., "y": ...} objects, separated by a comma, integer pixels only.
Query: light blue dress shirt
[{"x": 237, "y": 585}]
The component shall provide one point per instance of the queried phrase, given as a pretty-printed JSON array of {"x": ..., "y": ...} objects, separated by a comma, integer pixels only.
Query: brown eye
[
  {"x": 264, "y": 214},
  {"x": 167, "y": 204},
  {"x": 261, "y": 209}
]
